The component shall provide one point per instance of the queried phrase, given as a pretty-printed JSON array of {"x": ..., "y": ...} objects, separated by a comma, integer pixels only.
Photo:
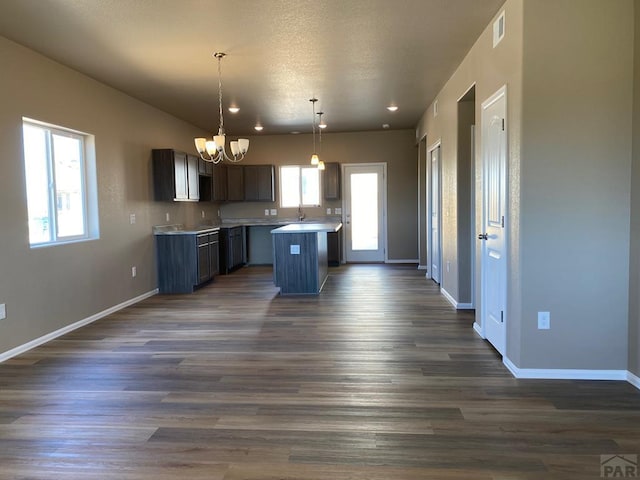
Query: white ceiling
[{"x": 355, "y": 56}]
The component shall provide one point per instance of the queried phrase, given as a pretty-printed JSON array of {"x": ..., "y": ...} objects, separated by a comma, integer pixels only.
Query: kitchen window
[
  {"x": 59, "y": 166},
  {"x": 299, "y": 186}
]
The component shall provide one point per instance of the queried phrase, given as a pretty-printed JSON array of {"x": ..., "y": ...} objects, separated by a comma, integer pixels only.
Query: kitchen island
[{"x": 300, "y": 262}]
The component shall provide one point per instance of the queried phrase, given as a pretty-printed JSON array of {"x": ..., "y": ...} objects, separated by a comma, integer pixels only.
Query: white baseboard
[
  {"x": 422, "y": 267},
  {"x": 409, "y": 260},
  {"x": 633, "y": 380},
  {"x": 478, "y": 330},
  {"x": 69, "y": 328},
  {"x": 564, "y": 374},
  {"x": 454, "y": 302}
]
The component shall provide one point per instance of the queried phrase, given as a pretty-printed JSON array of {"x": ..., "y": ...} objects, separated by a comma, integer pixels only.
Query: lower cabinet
[
  {"x": 186, "y": 261},
  {"x": 231, "y": 248}
]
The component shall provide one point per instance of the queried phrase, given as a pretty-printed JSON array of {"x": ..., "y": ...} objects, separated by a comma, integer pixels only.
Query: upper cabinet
[
  {"x": 219, "y": 183},
  {"x": 235, "y": 183},
  {"x": 175, "y": 176},
  {"x": 259, "y": 183},
  {"x": 331, "y": 181}
]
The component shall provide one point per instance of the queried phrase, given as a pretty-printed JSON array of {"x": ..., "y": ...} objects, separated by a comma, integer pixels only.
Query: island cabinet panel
[
  {"x": 301, "y": 262},
  {"x": 259, "y": 183},
  {"x": 331, "y": 181},
  {"x": 186, "y": 261},
  {"x": 175, "y": 176},
  {"x": 334, "y": 248},
  {"x": 231, "y": 248},
  {"x": 235, "y": 183}
]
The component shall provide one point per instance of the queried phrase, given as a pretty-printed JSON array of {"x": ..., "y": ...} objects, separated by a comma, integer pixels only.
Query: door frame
[
  {"x": 429, "y": 206},
  {"x": 499, "y": 94},
  {"x": 343, "y": 176}
]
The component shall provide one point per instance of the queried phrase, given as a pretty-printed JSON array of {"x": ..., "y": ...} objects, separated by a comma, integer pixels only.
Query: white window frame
[
  {"x": 89, "y": 195},
  {"x": 300, "y": 196}
]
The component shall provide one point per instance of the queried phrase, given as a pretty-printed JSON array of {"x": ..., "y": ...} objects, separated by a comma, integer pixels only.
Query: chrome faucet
[{"x": 301, "y": 214}]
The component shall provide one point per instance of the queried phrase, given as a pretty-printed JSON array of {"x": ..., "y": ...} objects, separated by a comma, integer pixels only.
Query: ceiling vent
[{"x": 498, "y": 29}]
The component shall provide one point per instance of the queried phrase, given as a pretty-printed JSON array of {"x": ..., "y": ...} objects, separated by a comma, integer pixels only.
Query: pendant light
[
  {"x": 315, "y": 160},
  {"x": 213, "y": 150},
  {"x": 321, "y": 125}
]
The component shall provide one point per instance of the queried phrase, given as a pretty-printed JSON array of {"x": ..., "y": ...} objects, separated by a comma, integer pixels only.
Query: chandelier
[{"x": 213, "y": 150}]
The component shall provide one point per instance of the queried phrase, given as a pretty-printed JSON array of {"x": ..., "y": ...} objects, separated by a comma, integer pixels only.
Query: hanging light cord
[
  {"x": 313, "y": 123},
  {"x": 221, "y": 127}
]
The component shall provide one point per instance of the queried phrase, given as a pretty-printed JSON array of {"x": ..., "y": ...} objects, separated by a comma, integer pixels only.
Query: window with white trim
[
  {"x": 299, "y": 186},
  {"x": 59, "y": 167}
]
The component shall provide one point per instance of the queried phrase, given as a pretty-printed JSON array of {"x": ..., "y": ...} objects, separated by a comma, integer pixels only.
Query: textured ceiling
[{"x": 355, "y": 56}]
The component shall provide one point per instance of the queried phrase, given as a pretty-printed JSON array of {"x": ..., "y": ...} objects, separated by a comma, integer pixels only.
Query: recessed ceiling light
[
  {"x": 385, "y": 125},
  {"x": 392, "y": 108},
  {"x": 258, "y": 128},
  {"x": 234, "y": 109},
  {"x": 295, "y": 132}
]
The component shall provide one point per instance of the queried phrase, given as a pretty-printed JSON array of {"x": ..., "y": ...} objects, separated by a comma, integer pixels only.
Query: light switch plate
[
  {"x": 266, "y": 212},
  {"x": 132, "y": 218},
  {"x": 294, "y": 249},
  {"x": 338, "y": 211},
  {"x": 544, "y": 320},
  {"x": 274, "y": 212},
  {"x": 3, "y": 311}
]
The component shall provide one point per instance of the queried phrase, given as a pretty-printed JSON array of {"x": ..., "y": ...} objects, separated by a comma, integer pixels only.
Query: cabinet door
[
  {"x": 235, "y": 183},
  {"x": 219, "y": 183},
  {"x": 259, "y": 183},
  {"x": 331, "y": 180},
  {"x": 181, "y": 176},
  {"x": 192, "y": 178},
  {"x": 236, "y": 247}
]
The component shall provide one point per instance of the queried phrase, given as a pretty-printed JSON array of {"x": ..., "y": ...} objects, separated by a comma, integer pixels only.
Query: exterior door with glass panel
[{"x": 363, "y": 216}]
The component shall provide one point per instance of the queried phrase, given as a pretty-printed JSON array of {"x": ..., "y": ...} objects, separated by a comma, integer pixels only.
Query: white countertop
[{"x": 309, "y": 227}]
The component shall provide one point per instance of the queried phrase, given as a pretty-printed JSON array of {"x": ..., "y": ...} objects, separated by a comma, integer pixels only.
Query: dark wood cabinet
[
  {"x": 231, "y": 248},
  {"x": 204, "y": 168},
  {"x": 235, "y": 183},
  {"x": 186, "y": 261},
  {"x": 331, "y": 181},
  {"x": 259, "y": 183},
  {"x": 219, "y": 183},
  {"x": 334, "y": 248},
  {"x": 175, "y": 176}
]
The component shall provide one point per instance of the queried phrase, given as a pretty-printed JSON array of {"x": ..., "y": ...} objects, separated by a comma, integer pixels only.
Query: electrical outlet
[
  {"x": 218, "y": 213},
  {"x": 3, "y": 311},
  {"x": 328, "y": 211},
  {"x": 274, "y": 212},
  {"x": 134, "y": 272},
  {"x": 448, "y": 266},
  {"x": 202, "y": 213},
  {"x": 132, "y": 218},
  {"x": 544, "y": 320},
  {"x": 294, "y": 249},
  {"x": 266, "y": 212},
  {"x": 168, "y": 217}
]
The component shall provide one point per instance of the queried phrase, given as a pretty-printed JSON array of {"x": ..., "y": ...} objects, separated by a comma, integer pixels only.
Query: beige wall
[
  {"x": 45, "y": 289},
  {"x": 395, "y": 148},
  {"x": 634, "y": 280},
  {"x": 575, "y": 191}
]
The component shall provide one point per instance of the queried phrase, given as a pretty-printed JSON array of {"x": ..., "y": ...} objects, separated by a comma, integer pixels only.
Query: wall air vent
[{"x": 498, "y": 29}]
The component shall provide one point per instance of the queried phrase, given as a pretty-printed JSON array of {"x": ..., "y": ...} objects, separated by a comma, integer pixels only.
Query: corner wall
[
  {"x": 48, "y": 288},
  {"x": 634, "y": 261}
]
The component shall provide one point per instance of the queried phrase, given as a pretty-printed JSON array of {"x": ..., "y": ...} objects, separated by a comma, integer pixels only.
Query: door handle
[{"x": 483, "y": 236}]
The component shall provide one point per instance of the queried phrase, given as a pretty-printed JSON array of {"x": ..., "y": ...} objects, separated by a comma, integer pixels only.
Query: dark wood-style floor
[{"x": 377, "y": 378}]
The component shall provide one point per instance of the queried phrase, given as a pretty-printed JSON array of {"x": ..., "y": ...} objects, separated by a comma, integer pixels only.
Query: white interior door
[
  {"x": 436, "y": 254},
  {"x": 494, "y": 260},
  {"x": 364, "y": 212}
]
